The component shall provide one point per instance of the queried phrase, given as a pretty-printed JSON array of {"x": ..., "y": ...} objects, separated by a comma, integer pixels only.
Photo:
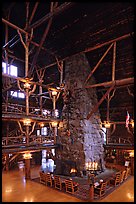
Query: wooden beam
[
  {"x": 99, "y": 103},
  {"x": 92, "y": 48},
  {"x": 114, "y": 61},
  {"x": 26, "y": 148},
  {"x": 109, "y": 42},
  {"x": 59, "y": 9},
  {"x": 10, "y": 116},
  {"x": 24, "y": 80},
  {"x": 14, "y": 26},
  {"x": 96, "y": 66},
  {"x": 120, "y": 82},
  {"x": 33, "y": 12}
]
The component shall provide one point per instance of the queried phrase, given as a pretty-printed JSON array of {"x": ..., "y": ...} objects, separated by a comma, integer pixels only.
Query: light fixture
[
  {"x": 54, "y": 95},
  {"x": 107, "y": 124},
  {"x": 27, "y": 85},
  {"x": 132, "y": 123},
  {"x": 27, "y": 155},
  {"x": 131, "y": 153},
  {"x": 41, "y": 125},
  {"x": 60, "y": 124},
  {"x": 27, "y": 122},
  {"x": 91, "y": 165},
  {"x": 53, "y": 92},
  {"x": 54, "y": 124}
]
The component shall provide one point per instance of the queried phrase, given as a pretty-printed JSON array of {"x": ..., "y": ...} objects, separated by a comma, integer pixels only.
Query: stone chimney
[{"x": 81, "y": 139}]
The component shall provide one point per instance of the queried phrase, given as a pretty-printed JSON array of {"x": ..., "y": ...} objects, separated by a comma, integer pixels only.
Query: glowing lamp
[
  {"x": 27, "y": 122},
  {"x": 107, "y": 124},
  {"x": 27, "y": 155},
  {"x": 53, "y": 92},
  {"x": 131, "y": 154},
  {"x": 54, "y": 124},
  {"x": 132, "y": 123},
  {"x": 27, "y": 85},
  {"x": 61, "y": 124},
  {"x": 41, "y": 125}
]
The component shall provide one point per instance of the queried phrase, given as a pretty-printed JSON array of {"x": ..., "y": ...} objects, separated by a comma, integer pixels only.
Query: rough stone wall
[{"x": 85, "y": 142}]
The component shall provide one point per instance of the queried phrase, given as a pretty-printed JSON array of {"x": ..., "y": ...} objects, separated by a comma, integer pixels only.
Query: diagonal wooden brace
[{"x": 101, "y": 100}]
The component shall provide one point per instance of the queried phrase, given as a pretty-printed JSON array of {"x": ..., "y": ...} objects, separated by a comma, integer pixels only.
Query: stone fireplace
[{"x": 81, "y": 139}]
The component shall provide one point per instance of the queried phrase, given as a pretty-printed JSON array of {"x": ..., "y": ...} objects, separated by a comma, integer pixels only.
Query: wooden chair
[
  {"x": 57, "y": 182},
  {"x": 122, "y": 176},
  {"x": 70, "y": 186},
  {"x": 127, "y": 173},
  {"x": 49, "y": 180},
  {"x": 116, "y": 180},
  {"x": 100, "y": 190},
  {"x": 42, "y": 177}
]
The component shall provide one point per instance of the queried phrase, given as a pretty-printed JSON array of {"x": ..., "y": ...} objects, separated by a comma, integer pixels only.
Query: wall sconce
[
  {"x": 132, "y": 123},
  {"x": 27, "y": 155},
  {"x": 27, "y": 122},
  {"x": 107, "y": 124}
]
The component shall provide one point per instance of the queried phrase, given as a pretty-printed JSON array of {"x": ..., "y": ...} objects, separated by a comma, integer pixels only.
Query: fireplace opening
[{"x": 73, "y": 172}]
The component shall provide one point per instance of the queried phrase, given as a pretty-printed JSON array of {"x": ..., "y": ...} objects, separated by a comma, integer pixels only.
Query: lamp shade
[
  {"x": 54, "y": 124},
  {"x": 27, "y": 155},
  {"x": 27, "y": 85},
  {"x": 132, "y": 123},
  {"x": 107, "y": 124},
  {"x": 27, "y": 122}
]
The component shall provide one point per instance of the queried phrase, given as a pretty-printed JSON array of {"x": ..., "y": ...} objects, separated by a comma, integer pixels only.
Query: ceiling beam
[
  {"x": 119, "y": 82},
  {"x": 59, "y": 9},
  {"x": 14, "y": 26},
  {"x": 93, "y": 48}
]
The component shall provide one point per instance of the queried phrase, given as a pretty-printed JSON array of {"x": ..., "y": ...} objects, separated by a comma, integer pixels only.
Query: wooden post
[
  {"x": 27, "y": 169},
  {"x": 132, "y": 165},
  {"x": 7, "y": 162},
  {"x": 91, "y": 192}
]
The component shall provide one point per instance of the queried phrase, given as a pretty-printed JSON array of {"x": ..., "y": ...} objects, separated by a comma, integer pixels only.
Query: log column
[
  {"x": 27, "y": 157},
  {"x": 27, "y": 169}
]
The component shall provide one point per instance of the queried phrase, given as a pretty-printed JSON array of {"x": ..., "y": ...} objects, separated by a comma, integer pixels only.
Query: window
[
  {"x": 56, "y": 113},
  {"x": 17, "y": 94},
  {"x": 38, "y": 132},
  {"x": 13, "y": 71},
  {"x": 44, "y": 131},
  {"x": 104, "y": 132}
]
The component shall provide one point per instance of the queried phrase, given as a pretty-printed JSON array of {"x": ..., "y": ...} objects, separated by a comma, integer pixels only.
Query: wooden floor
[{"x": 15, "y": 188}]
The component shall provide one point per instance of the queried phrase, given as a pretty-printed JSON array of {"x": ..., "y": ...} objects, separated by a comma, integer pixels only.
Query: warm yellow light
[
  {"x": 27, "y": 155},
  {"x": 107, "y": 124},
  {"x": 54, "y": 124},
  {"x": 61, "y": 124},
  {"x": 132, "y": 123},
  {"x": 41, "y": 125},
  {"x": 27, "y": 85},
  {"x": 73, "y": 170},
  {"x": 54, "y": 92},
  {"x": 91, "y": 165},
  {"x": 27, "y": 122},
  {"x": 131, "y": 154},
  {"x": 8, "y": 190}
]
